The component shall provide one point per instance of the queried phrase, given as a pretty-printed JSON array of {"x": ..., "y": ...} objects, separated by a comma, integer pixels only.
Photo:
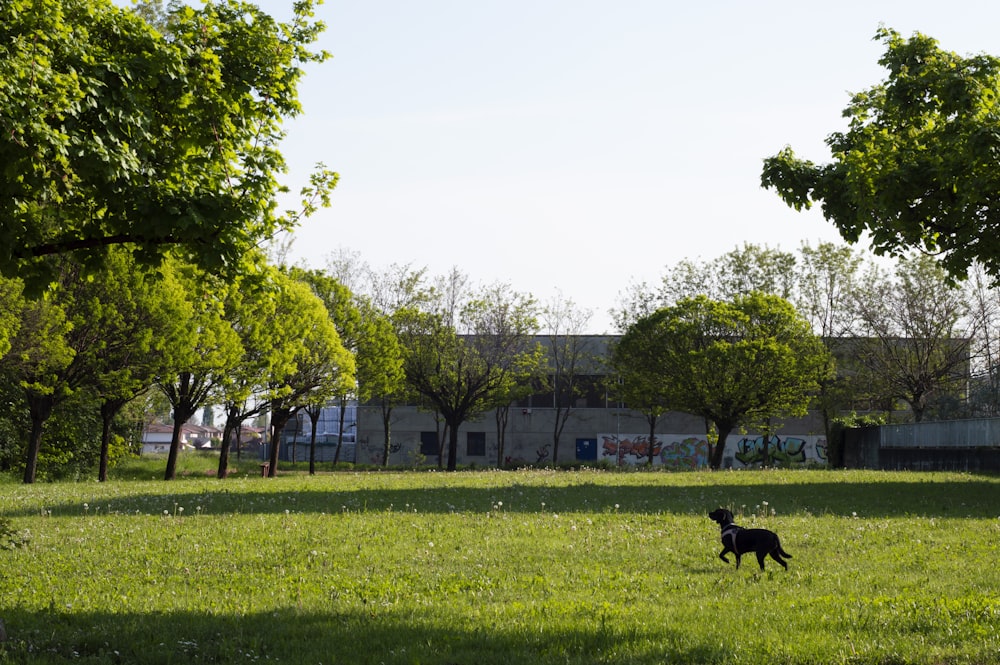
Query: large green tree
[
  {"x": 736, "y": 363},
  {"x": 637, "y": 362},
  {"x": 133, "y": 314},
  {"x": 320, "y": 366},
  {"x": 919, "y": 165},
  {"x": 250, "y": 311},
  {"x": 116, "y": 132},
  {"x": 200, "y": 354},
  {"x": 43, "y": 364},
  {"x": 462, "y": 358}
]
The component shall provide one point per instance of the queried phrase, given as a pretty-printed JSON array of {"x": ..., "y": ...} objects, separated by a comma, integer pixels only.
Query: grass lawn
[{"x": 501, "y": 567}]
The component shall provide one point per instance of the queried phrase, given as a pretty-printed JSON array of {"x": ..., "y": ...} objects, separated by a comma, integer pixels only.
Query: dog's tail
[{"x": 782, "y": 552}]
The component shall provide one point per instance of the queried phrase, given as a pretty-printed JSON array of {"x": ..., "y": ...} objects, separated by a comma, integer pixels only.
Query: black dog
[{"x": 738, "y": 540}]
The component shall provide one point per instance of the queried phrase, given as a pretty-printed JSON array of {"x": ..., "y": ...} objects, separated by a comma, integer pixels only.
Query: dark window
[
  {"x": 429, "y": 443},
  {"x": 475, "y": 444}
]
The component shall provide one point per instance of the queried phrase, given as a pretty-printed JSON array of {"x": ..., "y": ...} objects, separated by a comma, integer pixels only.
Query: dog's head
[{"x": 721, "y": 515}]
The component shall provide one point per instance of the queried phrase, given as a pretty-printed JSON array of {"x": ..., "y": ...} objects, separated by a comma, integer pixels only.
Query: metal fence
[{"x": 978, "y": 433}]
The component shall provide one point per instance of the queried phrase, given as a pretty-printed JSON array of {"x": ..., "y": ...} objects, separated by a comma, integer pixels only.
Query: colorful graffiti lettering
[
  {"x": 821, "y": 450},
  {"x": 636, "y": 447},
  {"x": 759, "y": 450},
  {"x": 687, "y": 453},
  {"x": 691, "y": 453}
]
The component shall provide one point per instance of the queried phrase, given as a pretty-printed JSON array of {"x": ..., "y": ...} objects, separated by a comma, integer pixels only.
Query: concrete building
[{"x": 598, "y": 429}]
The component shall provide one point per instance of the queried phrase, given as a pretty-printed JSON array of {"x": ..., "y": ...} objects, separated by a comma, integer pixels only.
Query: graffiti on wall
[
  {"x": 688, "y": 452},
  {"x": 692, "y": 451}
]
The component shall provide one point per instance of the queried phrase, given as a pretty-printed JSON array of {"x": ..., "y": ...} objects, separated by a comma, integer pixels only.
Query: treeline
[
  {"x": 88, "y": 364},
  {"x": 904, "y": 331}
]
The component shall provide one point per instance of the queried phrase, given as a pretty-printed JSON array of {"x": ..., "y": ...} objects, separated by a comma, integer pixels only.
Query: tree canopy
[
  {"x": 736, "y": 363},
  {"x": 918, "y": 165},
  {"x": 117, "y": 132}
]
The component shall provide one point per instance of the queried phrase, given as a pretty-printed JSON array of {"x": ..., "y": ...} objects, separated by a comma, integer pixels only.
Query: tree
[
  {"x": 250, "y": 312},
  {"x": 119, "y": 134},
  {"x": 389, "y": 300},
  {"x": 379, "y": 364},
  {"x": 984, "y": 304},
  {"x": 918, "y": 165},
  {"x": 320, "y": 367},
  {"x": 41, "y": 362},
  {"x": 740, "y": 271},
  {"x": 11, "y": 294},
  {"x": 736, "y": 363},
  {"x": 569, "y": 350},
  {"x": 914, "y": 337},
  {"x": 199, "y": 357},
  {"x": 637, "y": 360},
  {"x": 464, "y": 366},
  {"x": 346, "y": 317},
  {"x": 134, "y": 313},
  {"x": 827, "y": 279}
]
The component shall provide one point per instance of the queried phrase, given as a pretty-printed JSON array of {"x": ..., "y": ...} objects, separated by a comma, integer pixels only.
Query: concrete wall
[{"x": 618, "y": 436}]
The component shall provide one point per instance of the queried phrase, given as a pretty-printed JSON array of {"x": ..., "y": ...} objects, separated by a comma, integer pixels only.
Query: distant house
[{"x": 156, "y": 437}]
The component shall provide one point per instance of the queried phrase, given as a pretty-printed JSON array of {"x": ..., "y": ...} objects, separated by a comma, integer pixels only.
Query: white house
[{"x": 156, "y": 437}]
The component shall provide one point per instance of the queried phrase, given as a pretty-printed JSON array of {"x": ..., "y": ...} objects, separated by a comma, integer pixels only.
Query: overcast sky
[{"x": 575, "y": 147}]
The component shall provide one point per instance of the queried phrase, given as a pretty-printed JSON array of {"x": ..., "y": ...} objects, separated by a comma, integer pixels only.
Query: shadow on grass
[
  {"x": 971, "y": 497},
  {"x": 295, "y": 637}
]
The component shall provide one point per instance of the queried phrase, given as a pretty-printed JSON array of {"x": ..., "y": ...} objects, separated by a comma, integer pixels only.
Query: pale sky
[{"x": 575, "y": 147}]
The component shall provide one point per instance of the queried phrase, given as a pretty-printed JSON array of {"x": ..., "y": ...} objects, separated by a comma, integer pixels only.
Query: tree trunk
[
  {"x": 107, "y": 415},
  {"x": 340, "y": 430},
  {"x": 502, "y": 416},
  {"x": 314, "y": 420},
  {"x": 452, "y": 445},
  {"x": 175, "y": 444},
  {"x": 279, "y": 418},
  {"x": 387, "y": 429},
  {"x": 652, "y": 436},
  {"x": 232, "y": 425},
  {"x": 724, "y": 429},
  {"x": 40, "y": 407}
]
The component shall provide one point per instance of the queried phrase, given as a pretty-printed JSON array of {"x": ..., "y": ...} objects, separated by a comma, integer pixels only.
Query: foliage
[
  {"x": 917, "y": 167},
  {"x": 740, "y": 271},
  {"x": 119, "y": 133},
  {"x": 203, "y": 348},
  {"x": 914, "y": 336},
  {"x": 318, "y": 367},
  {"x": 735, "y": 363},
  {"x": 637, "y": 361},
  {"x": 502, "y": 567},
  {"x": 465, "y": 358},
  {"x": 11, "y": 538}
]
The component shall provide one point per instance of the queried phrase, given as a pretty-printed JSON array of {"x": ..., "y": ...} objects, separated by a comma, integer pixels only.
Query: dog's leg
[
  {"x": 761, "y": 555},
  {"x": 776, "y": 557},
  {"x": 722, "y": 554},
  {"x": 738, "y": 555}
]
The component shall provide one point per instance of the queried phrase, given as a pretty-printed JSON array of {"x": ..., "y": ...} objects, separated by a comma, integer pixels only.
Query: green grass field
[{"x": 500, "y": 567}]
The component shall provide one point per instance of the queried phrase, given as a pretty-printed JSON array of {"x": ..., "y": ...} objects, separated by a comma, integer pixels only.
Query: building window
[
  {"x": 429, "y": 443},
  {"x": 475, "y": 444}
]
